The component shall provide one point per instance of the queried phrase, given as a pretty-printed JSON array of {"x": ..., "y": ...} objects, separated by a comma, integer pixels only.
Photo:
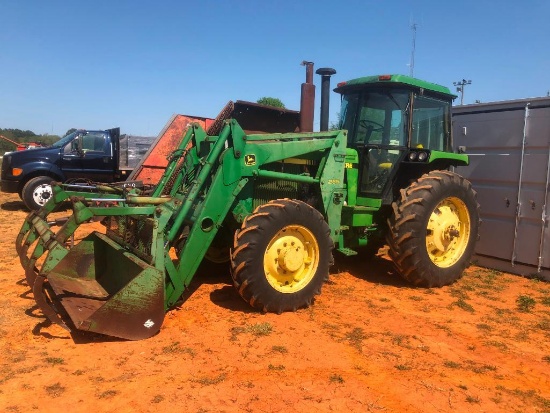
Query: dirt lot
[{"x": 370, "y": 343}]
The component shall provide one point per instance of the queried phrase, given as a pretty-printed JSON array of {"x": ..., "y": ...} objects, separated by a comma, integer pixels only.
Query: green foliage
[
  {"x": 269, "y": 101},
  {"x": 525, "y": 303},
  {"x": 21, "y": 136},
  {"x": 70, "y": 131}
]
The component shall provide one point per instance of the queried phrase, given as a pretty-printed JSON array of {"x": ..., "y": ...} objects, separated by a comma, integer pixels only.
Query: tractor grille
[
  {"x": 136, "y": 234},
  {"x": 267, "y": 189}
]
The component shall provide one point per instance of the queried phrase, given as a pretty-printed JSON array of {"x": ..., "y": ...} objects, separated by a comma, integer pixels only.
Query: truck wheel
[
  {"x": 433, "y": 229},
  {"x": 281, "y": 256},
  {"x": 37, "y": 192}
]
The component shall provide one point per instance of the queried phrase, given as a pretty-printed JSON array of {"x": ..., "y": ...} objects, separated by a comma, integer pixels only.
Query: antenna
[{"x": 411, "y": 64}]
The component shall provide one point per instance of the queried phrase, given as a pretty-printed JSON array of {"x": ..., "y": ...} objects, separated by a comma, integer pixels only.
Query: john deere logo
[{"x": 250, "y": 160}]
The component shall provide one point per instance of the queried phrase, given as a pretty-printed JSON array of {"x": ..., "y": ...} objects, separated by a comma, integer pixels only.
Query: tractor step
[{"x": 348, "y": 252}]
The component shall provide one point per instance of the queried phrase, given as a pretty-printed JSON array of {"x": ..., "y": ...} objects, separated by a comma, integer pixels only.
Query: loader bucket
[{"x": 105, "y": 289}]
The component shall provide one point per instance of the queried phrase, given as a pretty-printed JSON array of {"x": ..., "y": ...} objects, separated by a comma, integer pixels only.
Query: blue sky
[{"x": 99, "y": 64}]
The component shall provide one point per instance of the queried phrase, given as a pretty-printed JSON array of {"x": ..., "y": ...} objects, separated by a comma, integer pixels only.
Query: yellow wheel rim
[
  {"x": 291, "y": 259},
  {"x": 448, "y": 232}
]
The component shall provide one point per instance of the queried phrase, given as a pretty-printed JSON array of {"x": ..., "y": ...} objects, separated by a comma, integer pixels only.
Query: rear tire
[
  {"x": 37, "y": 192},
  {"x": 433, "y": 229},
  {"x": 281, "y": 256}
]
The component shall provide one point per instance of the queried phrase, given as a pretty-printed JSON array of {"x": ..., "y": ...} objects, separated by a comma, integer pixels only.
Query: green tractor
[{"x": 274, "y": 206}]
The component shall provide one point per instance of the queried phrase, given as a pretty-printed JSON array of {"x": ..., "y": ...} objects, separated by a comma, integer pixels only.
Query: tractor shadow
[
  {"x": 14, "y": 206},
  {"x": 377, "y": 269}
]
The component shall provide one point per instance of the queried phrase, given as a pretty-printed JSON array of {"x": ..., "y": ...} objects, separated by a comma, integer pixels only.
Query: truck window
[{"x": 93, "y": 141}]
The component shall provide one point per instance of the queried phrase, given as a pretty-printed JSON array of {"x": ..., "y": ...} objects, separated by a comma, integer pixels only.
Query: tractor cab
[{"x": 396, "y": 124}]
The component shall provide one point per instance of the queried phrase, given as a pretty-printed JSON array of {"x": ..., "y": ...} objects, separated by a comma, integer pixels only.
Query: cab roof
[{"x": 396, "y": 80}]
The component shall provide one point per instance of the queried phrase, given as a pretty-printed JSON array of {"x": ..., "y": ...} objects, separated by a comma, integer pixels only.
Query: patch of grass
[
  {"x": 452, "y": 364},
  {"x": 55, "y": 390},
  {"x": 355, "y": 337},
  {"x": 107, "y": 394},
  {"x": 543, "y": 324},
  {"x": 525, "y": 303},
  {"x": 385, "y": 300},
  {"x": 279, "y": 349},
  {"x": 260, "y": 329},
  {"x": 415, "y": 298},
  {"x": 546, "y": 359},
  {"x": 403, "y": 367},
  {"x": 529, "y": 397},
  {"x": 54, "y": 360},
  {"x": 472, "y": 399},
  {"x": 484, "y": 327},
  {"x": 209, "y": 381},
  {"x": 278, "y": 367},
  {"x": 498, "y": 344},
  {"x": 462, "y": 304},
  {"x": 545, "y": 300},
  {"x": 78, "y": 372},
  {"x": 336, "y": 378},
  {"x": 401, "y": 340},
  {"x": 462, "y": 386},
  {"x": 157, "y": 399},
  {"x": 175, "y": 348}
]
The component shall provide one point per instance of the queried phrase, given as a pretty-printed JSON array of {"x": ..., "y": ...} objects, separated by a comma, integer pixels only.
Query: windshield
[
  {"x": 376, "y": 117},
  {"x": 65, "y": 140}
]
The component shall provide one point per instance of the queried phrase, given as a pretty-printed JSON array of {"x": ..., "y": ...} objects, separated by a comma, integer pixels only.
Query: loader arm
[{"x": 122, "y": 282}]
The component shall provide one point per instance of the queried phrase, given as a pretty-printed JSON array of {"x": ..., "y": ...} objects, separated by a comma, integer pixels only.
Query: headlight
[
  {"x": 422, "y": 156},
  {"x": 412, "y": 156}
]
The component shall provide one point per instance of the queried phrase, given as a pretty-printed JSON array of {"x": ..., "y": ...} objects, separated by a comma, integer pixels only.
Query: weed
[
  {"x": 356, "y": 337},
  {"x": 498, "y": 344},
  {"x": 107, "y": 394},
  {"x": 175, "y": 348},
  {"x": 472, "y": 399},
  {"x": 401, "y": 340},
  {"x": 55, "y": 390},
  {"x": 462, "y": 386},
  {"x": 279, "y": 349},
  {"x": 452, "y": 364},
  {"x": 483, "y": 326},
  {"x": 78, "y": 372},
  {"x": 336, "y": 378},
  {"x": 543, "y": 324},
  {"x": 525, "y": 303},
  {"x": 461, "y": 303},
  {"x": 54, "y": 360},
  {"x": 276, "y": 368},
  {"x": 157, "y": 399},
  {"x": 403, "y": 367},
  {"x": 208, "y": 381},
  {"x": 415, "y": 298},
  {"x": 260, "y": 329},
  {"x": 546, "y": 359},
  {"x": 545, "y": 300}
]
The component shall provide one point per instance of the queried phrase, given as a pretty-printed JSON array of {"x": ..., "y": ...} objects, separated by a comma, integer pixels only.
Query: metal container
[{"x": 509, "y": 148}]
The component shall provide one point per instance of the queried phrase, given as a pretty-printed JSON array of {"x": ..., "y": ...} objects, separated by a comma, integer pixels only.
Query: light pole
[{"x": 460, "y": 85}]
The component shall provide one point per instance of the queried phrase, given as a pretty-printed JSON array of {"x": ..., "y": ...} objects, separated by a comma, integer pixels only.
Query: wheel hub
[
  {"x": 291, "y": 259},
  {"x": 447, "y": 232},
  {"x": 42, "y": 194}
]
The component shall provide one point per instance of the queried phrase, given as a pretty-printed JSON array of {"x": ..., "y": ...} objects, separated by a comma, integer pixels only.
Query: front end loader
[{"x": 273, "y": 206}]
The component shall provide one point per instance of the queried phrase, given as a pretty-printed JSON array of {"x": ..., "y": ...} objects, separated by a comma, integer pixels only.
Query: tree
[
  {"x": 269, "y": 101},
  {"x": 70, "y": 131}
]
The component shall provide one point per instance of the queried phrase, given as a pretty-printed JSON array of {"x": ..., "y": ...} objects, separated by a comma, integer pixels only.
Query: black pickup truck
[{"x": 83, "y": 154}]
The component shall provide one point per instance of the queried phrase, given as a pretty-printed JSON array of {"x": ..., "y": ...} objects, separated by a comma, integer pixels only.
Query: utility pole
[{"x": 460, "y": 85}]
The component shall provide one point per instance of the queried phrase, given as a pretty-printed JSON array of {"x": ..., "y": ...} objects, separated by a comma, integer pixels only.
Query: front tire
[
  {"x": 37, "y": 192},
  {"x": 433, "y": 229},
  {"x": 281, "y": 256}
]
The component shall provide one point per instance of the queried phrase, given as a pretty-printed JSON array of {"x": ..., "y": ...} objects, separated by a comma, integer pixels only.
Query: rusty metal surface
[{"x": 150, "y": 168}]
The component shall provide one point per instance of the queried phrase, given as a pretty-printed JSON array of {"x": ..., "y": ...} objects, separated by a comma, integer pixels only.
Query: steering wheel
[{"x": 367, "y": 123}]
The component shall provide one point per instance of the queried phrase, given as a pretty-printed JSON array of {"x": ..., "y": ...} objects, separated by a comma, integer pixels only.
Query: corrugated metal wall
[{"x": 509, "y": 147}]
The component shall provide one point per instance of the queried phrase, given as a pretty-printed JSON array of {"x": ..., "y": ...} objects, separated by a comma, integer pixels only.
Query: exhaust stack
[
  {"x": 307, "y": 100},
  {"x": 326, "y": 73}
]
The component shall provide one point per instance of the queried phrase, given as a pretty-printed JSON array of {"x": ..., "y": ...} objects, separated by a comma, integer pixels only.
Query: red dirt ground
[{"x": 370, "y": 343}]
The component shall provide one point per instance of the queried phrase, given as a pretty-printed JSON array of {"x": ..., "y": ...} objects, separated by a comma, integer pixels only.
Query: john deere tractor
[{"x": 274, "y": 205}]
